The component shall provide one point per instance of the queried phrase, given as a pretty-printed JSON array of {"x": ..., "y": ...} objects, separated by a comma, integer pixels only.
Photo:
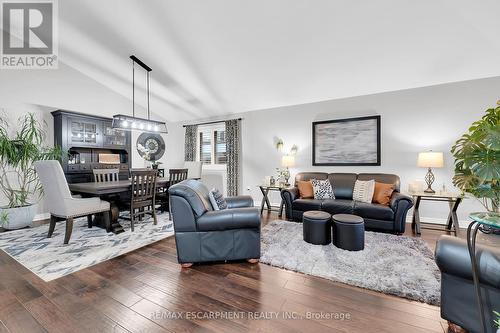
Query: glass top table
[
  {"x": 487, "y": 218},
  {"x": 479, "y": 220}
]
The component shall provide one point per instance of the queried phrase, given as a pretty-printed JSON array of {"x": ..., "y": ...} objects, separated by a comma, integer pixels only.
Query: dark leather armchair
[
  {"x": 390, "y": 218},
  {"x": 458, "y": 298},
  {"x": 203, "y": 234}
]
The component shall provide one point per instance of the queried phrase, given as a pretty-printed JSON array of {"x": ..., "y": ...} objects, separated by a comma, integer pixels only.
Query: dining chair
[
  {"x": 106, "y": 175},
  {"x": 143, "y": 195},
  {"x": 174, "y": 176},
  {"x": 61, "y": 205}
]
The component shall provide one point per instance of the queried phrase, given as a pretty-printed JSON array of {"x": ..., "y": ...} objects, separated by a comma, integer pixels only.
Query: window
[{"x": 212, "y": 145}]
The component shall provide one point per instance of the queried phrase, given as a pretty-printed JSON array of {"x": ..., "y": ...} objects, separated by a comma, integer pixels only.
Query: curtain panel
[
  {"x": 190, "y": 143},
  {"x": 233, "y": 151}
]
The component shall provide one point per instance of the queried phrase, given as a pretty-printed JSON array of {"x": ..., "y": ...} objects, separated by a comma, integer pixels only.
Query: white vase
[{"x": 18, "y": 217}]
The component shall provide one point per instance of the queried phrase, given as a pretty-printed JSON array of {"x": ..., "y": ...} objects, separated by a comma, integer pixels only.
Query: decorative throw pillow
[
  {"x": 306, "y": 190},
  {"x": 363, "y": 190},
  {"x": 322, "y": 189},
  {"x": 383, "y": 193},
  {"x": 217, "y": 199}
]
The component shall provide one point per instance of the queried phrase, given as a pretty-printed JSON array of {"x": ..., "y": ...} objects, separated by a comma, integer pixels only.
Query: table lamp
[
  {"x": 430, "y": 159},
  {"x": 287, "y": 161}
]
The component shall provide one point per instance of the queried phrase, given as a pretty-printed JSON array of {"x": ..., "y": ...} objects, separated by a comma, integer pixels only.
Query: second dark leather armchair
[
  {"x": 458, "y": 298},
  {"x": 203, "y": 234}
]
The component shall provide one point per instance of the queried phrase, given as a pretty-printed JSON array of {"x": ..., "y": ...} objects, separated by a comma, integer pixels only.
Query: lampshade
[
  {"x": 288, "y": 161},
  {"x": 430, "y": 159}
]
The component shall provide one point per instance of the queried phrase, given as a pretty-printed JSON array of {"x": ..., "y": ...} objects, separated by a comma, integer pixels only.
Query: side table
[
  {"x": 265, "y": 189},
  {"x": 479, "y": 221},
  {"x": 453, "y": 200}
]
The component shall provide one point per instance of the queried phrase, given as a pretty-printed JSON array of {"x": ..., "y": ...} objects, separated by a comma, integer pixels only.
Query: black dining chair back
[
  {"x": 177, "y": 176},
  {"x": 143, "y": 195}
]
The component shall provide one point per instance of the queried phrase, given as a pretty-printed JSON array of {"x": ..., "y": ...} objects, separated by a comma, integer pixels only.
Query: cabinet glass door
[
  {"x": 113, "y": 136},
  {"x": 83, "y": 132}
]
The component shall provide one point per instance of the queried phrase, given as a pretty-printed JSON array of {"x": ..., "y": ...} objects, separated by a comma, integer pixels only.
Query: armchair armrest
[
  {"x": 226, "y": 219},
  {"x": 289, "y": 195},
  {"x": 239, "y": 201},
  {"x": 396, "y": 199},
  {"x": 452, "y": 257},
  {"x": 400, "y": 204}
]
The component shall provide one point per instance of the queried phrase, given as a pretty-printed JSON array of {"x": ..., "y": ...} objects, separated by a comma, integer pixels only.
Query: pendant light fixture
[{"x": 131, "y": 123}]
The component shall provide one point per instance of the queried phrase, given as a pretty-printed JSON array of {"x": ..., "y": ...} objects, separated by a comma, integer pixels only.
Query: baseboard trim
[{"x": 435, "y": 220}]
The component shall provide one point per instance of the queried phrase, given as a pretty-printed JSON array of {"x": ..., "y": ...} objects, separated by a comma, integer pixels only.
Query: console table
[
  {"x": 453, "y": 200},
  {"x": 265, "y": 189}
]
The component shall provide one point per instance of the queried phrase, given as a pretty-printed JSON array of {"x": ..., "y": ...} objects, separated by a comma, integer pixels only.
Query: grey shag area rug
[{"x": 396, "y": 265}]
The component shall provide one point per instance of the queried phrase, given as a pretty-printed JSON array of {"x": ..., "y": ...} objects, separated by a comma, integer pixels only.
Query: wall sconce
[{"x": 279, "y": 144}]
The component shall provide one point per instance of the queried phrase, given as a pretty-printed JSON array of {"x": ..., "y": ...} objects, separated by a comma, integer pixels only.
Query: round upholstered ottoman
[
  {"x": 348, "y": 232},
  {"x": 317, "y": 227}
]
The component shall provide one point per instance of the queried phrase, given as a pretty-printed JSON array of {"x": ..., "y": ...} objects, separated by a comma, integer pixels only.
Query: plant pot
[{"x": 17, "y": 217}]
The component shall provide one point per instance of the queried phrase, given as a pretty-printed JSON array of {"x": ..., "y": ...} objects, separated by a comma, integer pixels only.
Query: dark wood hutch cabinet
[{"x": 82, "y": 138}]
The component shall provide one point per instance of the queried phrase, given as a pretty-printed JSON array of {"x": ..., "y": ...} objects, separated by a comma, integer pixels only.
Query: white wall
[{"x": 412, "y": 121}]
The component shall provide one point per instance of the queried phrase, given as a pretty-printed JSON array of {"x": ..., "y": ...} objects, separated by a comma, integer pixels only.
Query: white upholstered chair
[
  {"x": 61, "y": 204},
  {"x": 194, "y": 169}
]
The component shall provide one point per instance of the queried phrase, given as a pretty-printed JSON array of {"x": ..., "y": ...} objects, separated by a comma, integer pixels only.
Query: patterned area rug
[
  {"x": 50, "y": 259},
  {"x": 397, "y": 265}
]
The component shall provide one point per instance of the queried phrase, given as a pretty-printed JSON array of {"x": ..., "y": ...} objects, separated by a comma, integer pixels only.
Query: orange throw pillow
[
  {"x": 383, "y": 193},
  {"x": 305, "y": 189}
]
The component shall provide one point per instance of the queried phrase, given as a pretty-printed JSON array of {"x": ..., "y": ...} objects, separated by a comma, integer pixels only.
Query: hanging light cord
[
  {"x": 149, "y": 114},
  {"x": 133, "y": 88}
]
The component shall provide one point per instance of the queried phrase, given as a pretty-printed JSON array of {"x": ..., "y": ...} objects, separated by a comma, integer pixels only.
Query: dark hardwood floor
[{"x": 137, "y": 291}]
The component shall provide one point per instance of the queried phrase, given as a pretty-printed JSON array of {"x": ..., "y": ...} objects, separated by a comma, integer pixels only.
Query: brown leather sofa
[{"x": 378, "y": 217}]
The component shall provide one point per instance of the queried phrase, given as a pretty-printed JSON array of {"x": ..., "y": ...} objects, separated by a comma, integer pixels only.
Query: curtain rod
[{"x": 211, "y": 122}]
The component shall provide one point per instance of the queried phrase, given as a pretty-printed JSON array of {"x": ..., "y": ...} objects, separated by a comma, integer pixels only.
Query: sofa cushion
[
  {"x": 343, "y": 184},
  {"x": 383, "y": 193},
  {"x": 322, "y": 189},
  {"x": 373, "y": 211},
  {"x": 338, "y": 206},
  {"x": 306, "y": 190},
  {"x": 385, "y": 178},
  {"x": 363, "y": 191},
  {"x": 306, "y": 204},
  {"x": 217, "y": 199}
]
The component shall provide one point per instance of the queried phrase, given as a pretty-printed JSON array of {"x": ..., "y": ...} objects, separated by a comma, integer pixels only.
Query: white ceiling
[{"x": 214, "y": 57}]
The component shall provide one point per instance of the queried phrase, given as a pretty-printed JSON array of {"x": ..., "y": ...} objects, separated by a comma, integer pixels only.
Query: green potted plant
[
  {"x": 19, "y": 183},
  {"x": 477, "y": 160},
  {"x": 497, "y": 321}
]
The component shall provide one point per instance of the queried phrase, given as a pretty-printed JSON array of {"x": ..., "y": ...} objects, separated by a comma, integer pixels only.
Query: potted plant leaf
[
  {"x": 477, "y": 160},
  {"x": 497, "y": 321},
  {"x": 19, "y": 183}
]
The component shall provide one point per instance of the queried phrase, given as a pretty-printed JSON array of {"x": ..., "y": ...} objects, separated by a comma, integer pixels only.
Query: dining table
[{"x": 113, "y": 192}]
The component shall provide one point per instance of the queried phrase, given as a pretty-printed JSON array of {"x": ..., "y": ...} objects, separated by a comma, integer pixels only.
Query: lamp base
[{"x": 429, "y": 179}]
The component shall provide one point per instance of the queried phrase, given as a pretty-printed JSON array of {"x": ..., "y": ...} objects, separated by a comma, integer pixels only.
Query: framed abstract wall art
[{"x": 352, "y": 141}]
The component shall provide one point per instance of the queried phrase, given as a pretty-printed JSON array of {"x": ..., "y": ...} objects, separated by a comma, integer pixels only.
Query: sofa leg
[
  {"x": 186, "y": 264},
  {"x": 455, "y": 328},
  {"x": 253, "y": 261}
]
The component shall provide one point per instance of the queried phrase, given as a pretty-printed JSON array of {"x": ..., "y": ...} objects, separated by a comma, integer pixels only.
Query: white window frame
[{"x": 211, "y": 128}]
